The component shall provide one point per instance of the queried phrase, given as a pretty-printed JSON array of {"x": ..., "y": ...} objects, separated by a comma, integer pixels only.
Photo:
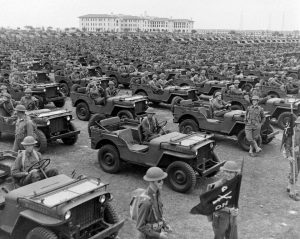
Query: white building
[{"x": 127, "y": 23}]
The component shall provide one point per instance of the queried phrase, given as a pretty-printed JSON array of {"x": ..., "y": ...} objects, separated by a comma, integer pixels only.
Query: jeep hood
[
  {"x": 177, "y": 141},
  {"x": 133, "y": 98},
  {"x": 48, "y": 113},
  {"x": 281, "y": 101}
]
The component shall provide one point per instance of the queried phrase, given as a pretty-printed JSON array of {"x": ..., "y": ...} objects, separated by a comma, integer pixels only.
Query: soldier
[
  {"x": 24, "y": 127},
  {"x": 25, "y": 159},
  {"x": 150, "y": 221},
  {"x": 293, "y": 161},
  {"x": 254, "y": 119},
  {"x": 154, "y": 85},
  {"x": 162, "y": 82},
  {"x": 150, "y": 125},
  {"x": 96, "y": 92},
  {"x": 219, "y": 106},
  {"x": 222, "y": 219},
  {"x": 29, "y": 101},
  {"x": 111, "y": 89}
]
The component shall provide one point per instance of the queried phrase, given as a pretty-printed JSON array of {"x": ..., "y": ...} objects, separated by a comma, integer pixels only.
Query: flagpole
[{"x": 293, "y": 147}]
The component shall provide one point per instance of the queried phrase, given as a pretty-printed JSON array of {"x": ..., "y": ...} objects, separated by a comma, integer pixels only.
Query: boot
[
  {"x": 293, "y": 194},
  {"x": 251, "y": 152},
  {"x": 257, "y": 149}
]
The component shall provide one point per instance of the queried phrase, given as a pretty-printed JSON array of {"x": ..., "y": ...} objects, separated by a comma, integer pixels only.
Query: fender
[{"x": 39, "y": 218}]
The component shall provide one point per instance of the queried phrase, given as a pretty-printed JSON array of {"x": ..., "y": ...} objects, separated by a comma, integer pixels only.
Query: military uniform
[
  {"x": 30, "y": 103},
  {"x": 218, "y": 107},
  {"x": 255, "y": 117},
  {"x": 150, "y": 220},
  {"x": 149, "y": 128},
  {"x": 97, "y": 93},
  {"x": 24, "y": 127},
  {"x": 222, "y": 219},
  {"x": 23, "y": 162},
  {"x": 111, "y": 92}
]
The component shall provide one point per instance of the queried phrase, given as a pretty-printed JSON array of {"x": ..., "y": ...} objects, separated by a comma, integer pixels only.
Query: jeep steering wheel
[
  {"x": 43, "y": 163},
  {"x": 161, "y": 125}
]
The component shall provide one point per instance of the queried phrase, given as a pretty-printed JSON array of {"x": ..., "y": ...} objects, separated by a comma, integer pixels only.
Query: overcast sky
[{"x": 207, "y": 14}]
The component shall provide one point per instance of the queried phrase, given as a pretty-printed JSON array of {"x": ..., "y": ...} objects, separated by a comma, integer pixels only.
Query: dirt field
[{"x": 265, "y": 209}]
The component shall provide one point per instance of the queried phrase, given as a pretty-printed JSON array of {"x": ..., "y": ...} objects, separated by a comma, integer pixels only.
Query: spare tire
[{"x": 94, "y": 120}]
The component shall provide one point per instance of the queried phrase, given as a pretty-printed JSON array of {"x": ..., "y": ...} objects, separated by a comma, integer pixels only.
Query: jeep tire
[
  {"x": 72, "y": 139},
  {"x": 41, "y": 233},
  {"x": 244, "y": 143},
  {"x": 110, "y": 216},
  {"x": 181, "y": 176},
  {"x": 125, "y": 114},
  {"x": 83, "y": 111},
  {"x": 175, "y": 101},
  {"x": 65, "y": 89},
  {"x": 94, "y": 120},
  {"x": 42, "y": 141},
  {"x": 283, "y": 118},
  {"x": 187, "y": 126},
  {"x": 264, "y": 133},
  {"x": 109, "y": 159}
]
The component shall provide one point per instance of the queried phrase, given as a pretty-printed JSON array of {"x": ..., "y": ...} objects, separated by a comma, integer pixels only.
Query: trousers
[
  {"x": 291, "y": 173},
  {"x": 252, "y": 134},
  {"x": 222, "y": 226},
  {"x": 37, "y": 176}
]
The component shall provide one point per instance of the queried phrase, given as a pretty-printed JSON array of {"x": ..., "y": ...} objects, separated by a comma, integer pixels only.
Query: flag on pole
[
  {"x": 217, "y": 198},
  {"x": 288, "y": 132}
]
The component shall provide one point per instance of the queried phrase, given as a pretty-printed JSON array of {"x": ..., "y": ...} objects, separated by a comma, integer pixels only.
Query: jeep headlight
[
  {"x": 48, "y": 122},
  {"x": 211, "y": 145},
  {"x": 68, "y": 118},
  {"x": 67, "y": 215},
  {"x": 133, "y": 104},
  {"x": 45, "y": 90},
  {"x": 57, "y": 88},
  {"x": 102, "y": 199}
]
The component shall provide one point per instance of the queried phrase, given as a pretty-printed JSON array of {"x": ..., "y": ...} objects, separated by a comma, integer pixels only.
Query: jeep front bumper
[
  {"x": 272, "y": 135},
  {"x": 114, "y": 228},
  {"x": 65, "y": 135},
  {"x": 212, "y": 169}
]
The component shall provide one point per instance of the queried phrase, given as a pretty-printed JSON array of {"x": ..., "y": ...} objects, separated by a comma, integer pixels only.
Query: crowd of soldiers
[{"x": 200, "y": 59}]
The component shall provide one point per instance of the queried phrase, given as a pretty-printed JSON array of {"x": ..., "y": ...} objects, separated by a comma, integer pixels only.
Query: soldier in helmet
[
  {"x": 111, "y": 89},
  {"x": 29, "y": 101},
  {"x": 222, "y": 219},
  {"x": 219, "y": 106},
  {"x": 150, "y": 125},
  {"x": 254, "y": 119},
  {"x": 27, "y": 158},
  {"x": 150, "y": 221},
  {"x": 24, "y": 127},
  {"x": 96, "y": 92},
  {"x": 293, "y": 161}
]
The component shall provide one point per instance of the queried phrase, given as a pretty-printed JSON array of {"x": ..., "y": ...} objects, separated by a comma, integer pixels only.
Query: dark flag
[
  {"x": 288, "y": 131},
  {"x": 217, "y": 198}
]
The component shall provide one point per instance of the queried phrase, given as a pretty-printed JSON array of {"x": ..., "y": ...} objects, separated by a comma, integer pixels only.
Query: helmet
[
  {"x": 257, "y": 85},
  {"x": 231, "y": 86},
  {"x": 150, "y": 111},
  {"x": 162, "y": 75},
  {"x": 255, "y": 97},
  {"x": 218, "y": 93},
  {"x": 154, "y": 76},
  {"x": 230, "y": 166},
  {"x": 27, "y": 91},
  {"x": 297, "y": 120},
  {"x": 236, "y": 82},
  {"x": 20, "y": 108},
  {"x": 155, "y": 174},
  {"x": 29, "y": 140},
  {"x": 203, "y": 72},
  {"x": 111, "y": 83}
]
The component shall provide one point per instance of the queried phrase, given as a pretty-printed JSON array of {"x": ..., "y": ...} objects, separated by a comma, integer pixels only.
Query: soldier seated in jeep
[
  {"x": 29, "y": 101},
  {"x": 219, "y": 106},
  {"x": 111, "y": 90},
  {"x": 150, "y": 126},
  {"x": 96, "y": 92},
  {"x": 29, "y": 167}
]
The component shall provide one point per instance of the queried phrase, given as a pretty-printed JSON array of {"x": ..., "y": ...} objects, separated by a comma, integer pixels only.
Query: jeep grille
[
  {"x": 140, "y": 107},
  {"x": 192, "y": 95},
  {"x": 86, "y": 213},
  {"x": 51, "y": 92},
  {"x": 58, "y": 125}
]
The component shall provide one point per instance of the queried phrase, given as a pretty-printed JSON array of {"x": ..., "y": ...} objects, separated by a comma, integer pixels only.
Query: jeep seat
[
  {"x": 111, "y": 124},
  {"x": 126, "y": 135}
]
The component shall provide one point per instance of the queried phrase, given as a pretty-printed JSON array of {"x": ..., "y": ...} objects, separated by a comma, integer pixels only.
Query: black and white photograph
[{"x": 138, "y": 119}]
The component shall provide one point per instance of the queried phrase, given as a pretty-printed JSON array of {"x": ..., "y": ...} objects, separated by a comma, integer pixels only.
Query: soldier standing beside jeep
[
  {"x": 255, "y": 118},
  {"x": 150, "y": 221},
  {"x": 24, "y": 127}
]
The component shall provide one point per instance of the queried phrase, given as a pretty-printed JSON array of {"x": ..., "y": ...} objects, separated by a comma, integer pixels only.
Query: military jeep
[
  {"x": 198, "y": 116},
  {"x": 51, "y": 125},
  {"x": 123, "y": 106},
  {"x": 169, "y": 95},
  {"x": 184, "y": 156},
  {"x": 123, "y": 78},
  {"x": 211, "y": 87},
  {"x": 59, "y": 207},
  {"x": 44, "y": 90}
]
